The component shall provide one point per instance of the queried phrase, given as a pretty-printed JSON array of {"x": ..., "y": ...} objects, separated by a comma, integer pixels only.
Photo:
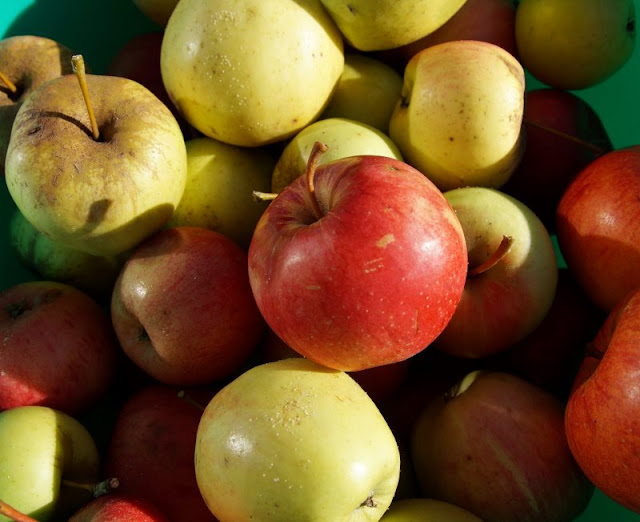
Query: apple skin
[
  {"x": 294, "y": 440},
  {"x": 602, "y": 417},
  {"x": 100, "y": 196},
  {"x": 118, "y": 506},
  {"x": 58, "y": 348},
  {"x": 596, "y": 224},
  {"x": 372, "y": 282},
  {"x": 574, "y": 52},
  {"x": 496, "y": 445},
  {"x": 551, "y": 161},
  {"x": 151, "y": 450},
  {"x": 503, "y": 304},
  {"x": 28, "y": 61},
  {"x": 182, "y": 307},
  {"x": 426, "y": 510},
  {"x": 159, "y": 11},
  {"x": 39, "y": 448}
]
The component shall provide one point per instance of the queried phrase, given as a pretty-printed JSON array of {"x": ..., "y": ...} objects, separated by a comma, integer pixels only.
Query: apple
[
  {"x": 27, "y": 61},
  {"x": 343, "y": 137},
  {"x": 158, "y": 11},
  {"x": 564, "y": 134},
  {"x": 427, "y": 510},
  {"x": 384, "y": 24},
  {"x": 597, "y": 228},
  {"x": 118, "y": 507},
  {"x": 46, "y": 457},
  {"x": 367, "y": 91},
  {"x": 182, "y": 307},
  {"x": 459, "y": 117},
  {"x": 602, "y": 417},
  {"x": 294, "y": 440},
  {"x": 58, "y": 348},
  {"x": 221, "y": 179},
  {"x": 495, "y": 445},
  {"x": 251, "y": 91},
  {"x": 571, "y": 52},
  {"x": 151, "y": 450},
  {"x": 512, "y": 276},
  {"x": 485, "y": 20},
  {"x": 50, "y": 260},
  {"x": 358, "y": 263},
  {"x": 139, "y": 59},
  {"x": 99, "y": 184}
]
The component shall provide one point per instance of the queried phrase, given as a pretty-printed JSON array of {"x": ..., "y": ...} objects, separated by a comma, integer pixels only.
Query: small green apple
[
  {"x": 250, "y": 72},
  {"x": 43, "y": 453},
  {"x": 294, "y": 440},
  {"x": 574, "y": 44},
  {"x": 221, "y": 179},
  {"x": 343, "y": 137},
  {"x": 367, "y": 92},
  {"x": 426, "y": 510},
  {"x": 374, "y": 25},
  {"x": 459, "y": 119}
]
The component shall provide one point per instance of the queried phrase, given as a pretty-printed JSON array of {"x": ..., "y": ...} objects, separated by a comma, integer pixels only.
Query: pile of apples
[{"x": 317, "y": 260}]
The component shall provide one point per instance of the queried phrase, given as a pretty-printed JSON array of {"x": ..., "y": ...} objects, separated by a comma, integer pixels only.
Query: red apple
[
  {"x": 182, "y": 306},
  {"x": 563, "y": 135},
  {"x": 597, "y": 226},
  {"x": 358, "y": 264},
  {"x": 603, "y": 412},
  {"x": 119, "y": 507},
  {"x": 151, "y": 452},
  {"x": 58, "y": 348},
  {"x": 490, "y": 21},
  {"x": 496, "y": 446}
]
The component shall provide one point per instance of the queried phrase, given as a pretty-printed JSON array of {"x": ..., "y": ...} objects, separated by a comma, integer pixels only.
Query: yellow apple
[
  {"x": 251, "y": 72},
  {"x": 426, "y": 510},
  {"x": 459, "y": 119},
  {"x": 343, "y": 137},
  {"x": 374, "y": 25},
  {"x": 221, "y": 179}
]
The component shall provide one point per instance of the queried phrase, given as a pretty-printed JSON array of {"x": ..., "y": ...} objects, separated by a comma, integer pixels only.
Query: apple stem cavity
[
  {"x": 77, "y": 61},
  {"x": 494, "y": 258},
  {"x": 317, "y": 150},
  {"x": 13, "y": 514},
  {"x": 98, "y": 489},
  {"x": 591, "y": 146},
  {"x": 10, "y": 85}
]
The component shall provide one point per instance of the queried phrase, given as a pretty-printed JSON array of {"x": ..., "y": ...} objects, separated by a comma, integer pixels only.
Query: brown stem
[
  {"x": 12, "y": 86},
  {"x": 77, "y": 61},
  {"x": 97, "y": 489},
  {"x": 13, "y": 514},
  {"x": 190, "y": 400},
  {"x": 494, "y": 258},
  {"x": 318, "y": 149},
  {"x": 594, "y": 148},
  {"x": 263, "y": 196}
]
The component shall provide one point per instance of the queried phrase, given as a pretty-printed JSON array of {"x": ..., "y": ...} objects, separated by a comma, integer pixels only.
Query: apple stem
[
  {"x": 594, "y": 148},
  {"x": 77, "y": 62},
  {"x": 264, "y": 196},
  {"x": 11, "y": 86},
  {"x": 314, "y": 156},
  {"x": 13, "y": 514},
  {"x": 494, "y": 258},
  {"x": 98, "y": 489},
  {"x": 190, "y": 400}
]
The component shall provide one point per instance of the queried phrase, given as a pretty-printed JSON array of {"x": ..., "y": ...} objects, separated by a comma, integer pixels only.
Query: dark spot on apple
[
  {"x": 98, "y": 210},
  {"x": 404, "y": 101},
  {"x": 226, "y": 462},
  {"x": 34, "y": 130},
  {"x": 451, "y": 138},
  {"x": 15, "y": 310},
  {"x": 351, "y": 9}
]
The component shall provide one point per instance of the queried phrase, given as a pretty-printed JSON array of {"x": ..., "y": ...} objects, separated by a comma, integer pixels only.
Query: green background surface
[{"x": 98, "y": 28}]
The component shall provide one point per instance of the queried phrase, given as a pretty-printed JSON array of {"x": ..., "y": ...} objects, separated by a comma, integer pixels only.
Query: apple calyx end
[{"x": 494, "y": 258}]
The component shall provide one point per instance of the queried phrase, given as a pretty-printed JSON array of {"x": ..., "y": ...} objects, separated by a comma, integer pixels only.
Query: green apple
[
  {"x": 459, "y": 119},
  {"x": 367, "y": 91},
  {"x": 374, "y": 25},
  {"x": 44, "y": 455},
  {"x": 158, "y": 11},
  {"x": 343, "y": 137},
  {"x": 99, "y": 195},
  {"x": 426, "y": 510},
  {"x": 294, "y": 440},
  {"x": 574, "y": 44},
  {"x": 251, "y": 72},
  {"x": 54, "y": 261},
  {"x": 221, "y": 179}
]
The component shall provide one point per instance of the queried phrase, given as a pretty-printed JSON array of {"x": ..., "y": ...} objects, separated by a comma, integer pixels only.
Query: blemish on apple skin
[{"x": 385, "y": 240}]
